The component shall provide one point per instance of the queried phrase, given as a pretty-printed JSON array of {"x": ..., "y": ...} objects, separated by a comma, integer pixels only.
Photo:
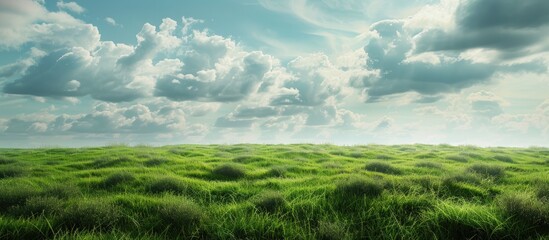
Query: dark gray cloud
[
  {"x": 24, "y": 126},
  {"x": 52, "y": 76},
  {"x": 482, "y": 14},
  {"x": 388, "y": 54},
  {"x": 394, "y": 53},
  {"x": 505, "y": 25},
  {"x": 486, "y": 104},
  {"x": 77, "y": 72}
]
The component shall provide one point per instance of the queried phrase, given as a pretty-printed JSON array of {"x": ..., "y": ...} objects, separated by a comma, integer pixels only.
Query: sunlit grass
[{"x": 300, "y": 191}]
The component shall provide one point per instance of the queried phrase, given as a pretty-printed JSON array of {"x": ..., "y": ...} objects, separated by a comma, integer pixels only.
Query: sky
[{"x": 346, "y": 72}]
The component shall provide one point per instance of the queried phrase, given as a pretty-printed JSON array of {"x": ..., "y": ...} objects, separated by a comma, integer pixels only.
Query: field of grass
[{"x": 275, "y": 192}]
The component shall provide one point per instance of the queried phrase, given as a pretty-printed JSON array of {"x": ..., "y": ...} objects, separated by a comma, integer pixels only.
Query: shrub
[
  {"x": 382, "y": 168},
  {"x": 229, "y": 171},
  {"x": 179, "y": 215},
  {"x": 457, "y": 158},
  {"x": 526, "y": 209},
  {"x": 117, "y": 178},
  {"x": 90, "y": 214},
  {"x": 359, "y": 187},
  {"x": 331, "y": 231},
  {"x": 487, "y": 170},
  {"x": 270, "y": 202},
  {"x": 504, "y": 158},
  {"x": 155, "y": 162},
  {"x": 277, "y": 171},
  {"x": 166, "y": 185}
]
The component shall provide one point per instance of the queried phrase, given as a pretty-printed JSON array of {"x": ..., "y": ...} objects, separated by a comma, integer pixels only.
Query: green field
[{"x": 275, "y": 192}]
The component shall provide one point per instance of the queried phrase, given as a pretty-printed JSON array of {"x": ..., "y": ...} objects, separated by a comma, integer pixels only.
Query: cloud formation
[
  {"x": 179, "y": 78},
  {"x": 389, "y": 53},
  {"x": 514, "y": 28},
  {"x": 70, "y": 6}
]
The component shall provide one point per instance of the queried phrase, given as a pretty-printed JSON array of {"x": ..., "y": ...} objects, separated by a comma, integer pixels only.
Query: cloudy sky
[{"x": 81, "y": 73}]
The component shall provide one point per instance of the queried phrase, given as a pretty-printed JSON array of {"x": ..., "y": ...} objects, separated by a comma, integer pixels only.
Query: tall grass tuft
[
  {"x": 170, "y": 185},
  {"x": 525, "y": 208},
  {"x": 5, "y": 160},
  {"x": 357, "y": 186},
  {"x": 488, "y": 171},
  {"x": 110, "y": 162},
  {"x": 62, "y": 191},
  {"x": 36, "y": 206},
  {"x": 463, "y": 186},
  {"x": 116, "y": 179},
  {"x": 332, "y": 231},
  {"x": 543, "y": 192},
  {"x": 457, "y": 158},
  {"x": 155, "y": 162},
  {"x": 90, "y": 214},
  {"x": 16, "y": 193},
  {"x": 467, "y": 221},
  {"x": 270, "y": 202},
  {"x": 248, "y": 159},
  {"x": 277, "y": 171},
  {"x": 382, "y": 168},
  {"x": 431, "y": 165},
  {"x": 504, "y": 158},
  {"x": 179, "y": 215},
  {"x": 11, "y": 171},
  {"x": 229, "y": 171}
]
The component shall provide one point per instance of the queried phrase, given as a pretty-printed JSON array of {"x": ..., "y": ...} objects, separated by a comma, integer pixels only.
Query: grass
[
  {"x": 488, "y": 171},
  {"x": 166, "y": 185},
  {"x": 382, "y": 167},
  {"x": 300, "y": 191},
  {"x": 117, "y": 178},
  {"x": 229, "y": 171},
  {"x": 270, "y": 202},
  {"x": 359, "y": 187}
]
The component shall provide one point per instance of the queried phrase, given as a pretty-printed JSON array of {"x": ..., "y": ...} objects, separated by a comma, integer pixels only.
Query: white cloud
[
  {"x": 106, "y": 118},
  {"x": 188, "y": 23},
  {"x": 27, "y": 21},
  {"x": 70, "y": 6},
  {"x": 111, "y": 21},
  {"x": 177, "y": 80},
  {"x": 215, "y": 70}
]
